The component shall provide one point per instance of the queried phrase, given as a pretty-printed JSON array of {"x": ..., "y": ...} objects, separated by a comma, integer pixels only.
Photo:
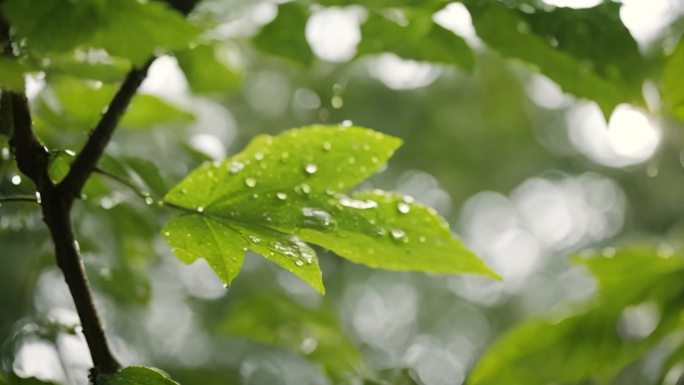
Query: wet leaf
[
  {"x": 136, "y": 375},
  {"x": 206, "y": 72},
  {"x": 589, "y": 343},
  {"x": 99, "y": 24},
  {"x": 283, "y": 191},
  {"x": 285, "y": 36},
  {"x": 562, "y": 44},
  {"x": 421, "y": 39}
]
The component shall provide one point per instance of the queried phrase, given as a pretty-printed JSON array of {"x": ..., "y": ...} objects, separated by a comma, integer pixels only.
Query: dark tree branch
[
  {"x": 33, "y": 159},
  {"x": 182, "y": 6},
  {"x": 56, "y": 200},
  {"x": 87, "y": 159}
]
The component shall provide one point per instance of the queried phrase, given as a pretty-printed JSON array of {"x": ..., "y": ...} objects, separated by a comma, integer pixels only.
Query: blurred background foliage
[{"x": 540, "y": 129}]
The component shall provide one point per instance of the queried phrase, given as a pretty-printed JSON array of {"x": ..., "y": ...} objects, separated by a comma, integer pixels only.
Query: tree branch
[
  {"x": 33, "y": 159},
  {"x": 87, "y": 159},
  {"x": 56, "y": 200}
]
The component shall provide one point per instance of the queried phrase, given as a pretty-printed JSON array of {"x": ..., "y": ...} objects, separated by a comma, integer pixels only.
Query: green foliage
[
  {"x": 81, "y": 104},
  {"x": 556, "y": 42},
  {"x": 284, "y": 36},
  {"x": 100, "y": 24},
  {"x": 673, "y": 92},
  {"x": 283, "y": 190},
  {"x": 422, "y": 39},
  {"x": 11, "y": 75},
  {"x": 277, "y": 320},
  {"x": 474, "y": 129},
  {"x": 136, "y": 375},
  {"x": 589, "y": 343},
  {"x": 206, "y": 72}
]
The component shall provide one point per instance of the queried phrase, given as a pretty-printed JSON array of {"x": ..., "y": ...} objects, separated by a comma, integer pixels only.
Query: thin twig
[
  {"x": 149, "y": 199},
  {"x": 19, "y": 198},
  {"x": 123, "y": 181}
]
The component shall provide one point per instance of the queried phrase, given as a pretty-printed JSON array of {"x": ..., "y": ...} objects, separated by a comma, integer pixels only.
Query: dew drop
[
  {"x": 225, "y": 286},
  {"x": 310, "y": 168},
  {"x": 250, "y": 182},
  {"x": 236, "y": 167},
  {"x": 403, "y": 208},
  {"x": 16, "y": 180},
  {"x": 398, "y": 235},
  {"x": 347, "y": 123},
  {"x": 281, "y": 195},
  {"x": 200, "y": 209},
  {"x": 374, "y": 160},
  {"x": 317, "y": 218},
  {"x": 327, "y": 146},
  {"x": 357, "y": 204},
  {"x": 149, "y": 200},
  {"x": 38, "y": 197},
  {"x": 254, "y": 239},
  {"x": 380, "y": 231},
  {"x": 166, "y": 233},
  {"x": 5, "y": 153},
  {"x": 303, "y": 189},
  {"x": 299, "y": 262}
]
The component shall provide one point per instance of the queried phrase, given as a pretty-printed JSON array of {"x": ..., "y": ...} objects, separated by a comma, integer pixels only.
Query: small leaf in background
[
  {"x": 671, "y": 82},
  {"x": 81, "y": 65},
  {"x": 206, "y": 72},
  {"x": 11, "y": 75},
  {"x": 421, "y": 39},
  {"x": 286, "y": 190},
  {"x": 285, "y": 36},
  {"x": 60, "y": 163},
  {"x": 313, "y": 332},
  {"x": 135, "y": 375},
  {"x": 80, "y": 105},
  {"x": 562, "y": 43},
  {"x": 100, "y": 24},
  {"x": 595, "y": 341}
]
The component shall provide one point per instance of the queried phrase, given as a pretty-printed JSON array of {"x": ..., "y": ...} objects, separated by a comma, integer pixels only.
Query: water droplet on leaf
[
  {"x": 310, "y": 168},
  {"x": 236, "y": 167},
  {"x": 398, "y": 235},
  {"x": 281, "y": 195},
  {"x": 403, "y": 208},
  {"x": 250, "y": 182},
  {"x": 357, "y": 204}
]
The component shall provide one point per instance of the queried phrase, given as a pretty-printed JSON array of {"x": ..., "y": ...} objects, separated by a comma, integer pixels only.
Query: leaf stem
[{"x": 149, "y": 199}]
